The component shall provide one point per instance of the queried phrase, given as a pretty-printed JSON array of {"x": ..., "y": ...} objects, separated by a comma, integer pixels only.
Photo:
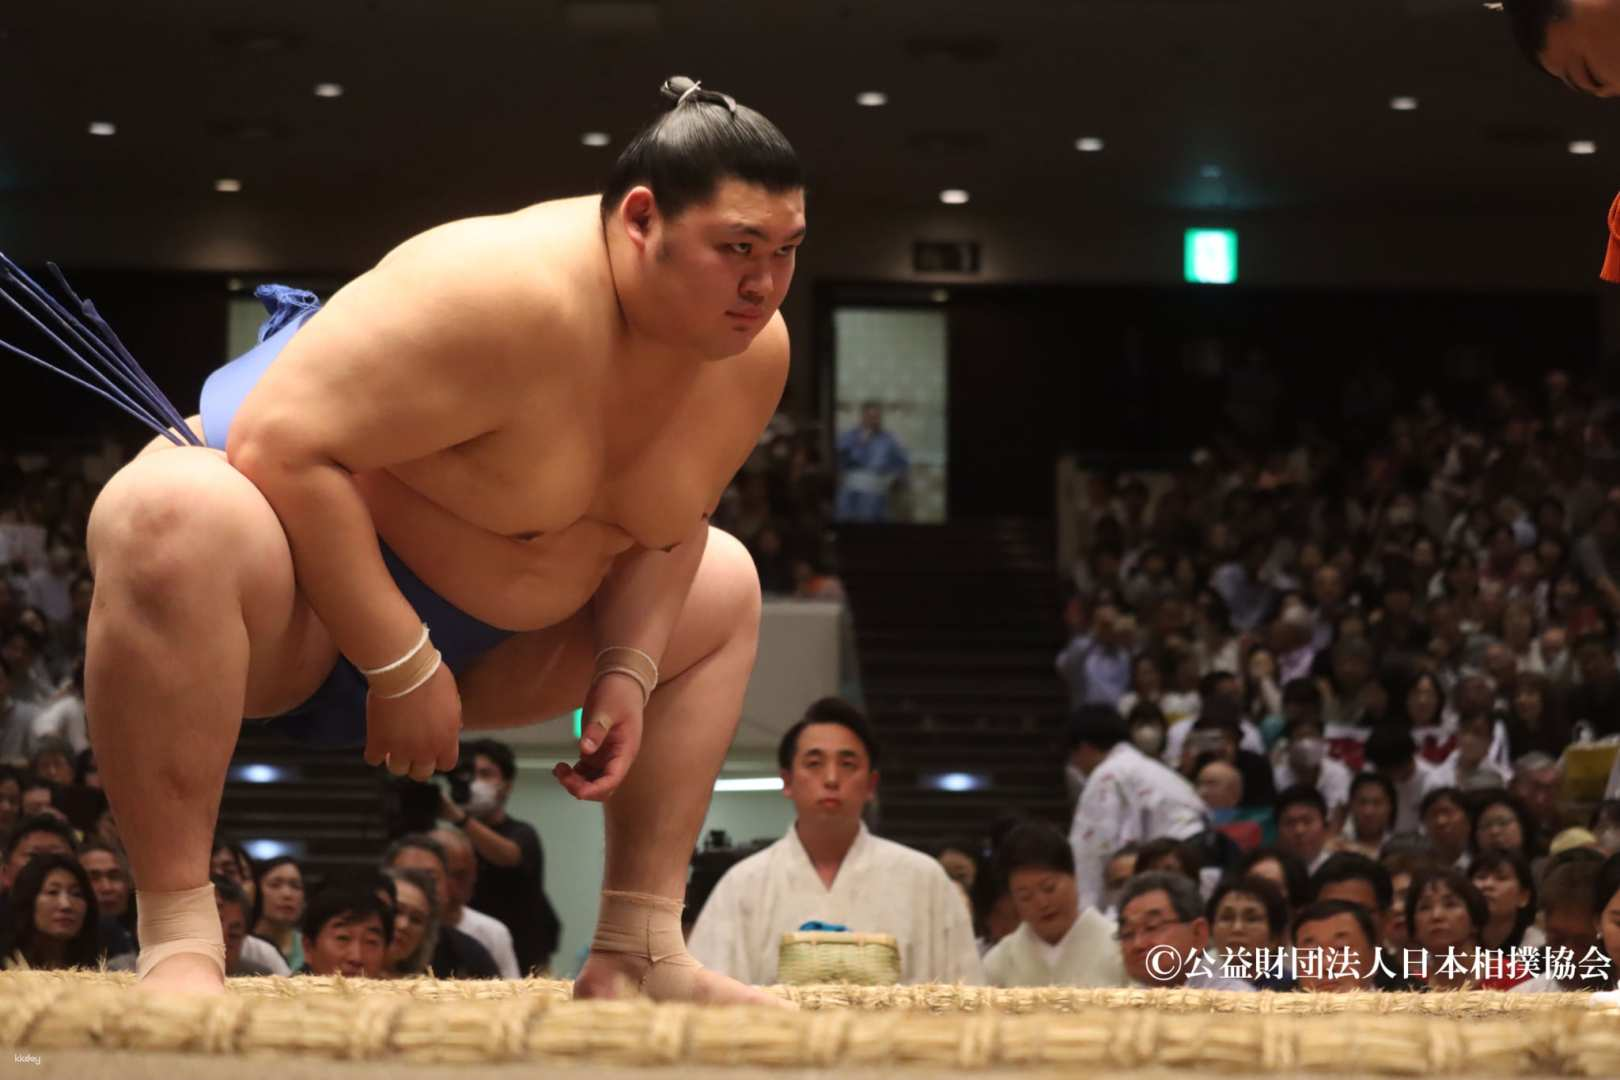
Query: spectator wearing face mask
[{"x": 1301, "y": 758}]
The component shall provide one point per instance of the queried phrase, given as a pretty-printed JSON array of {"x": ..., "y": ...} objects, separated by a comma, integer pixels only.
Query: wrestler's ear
[{"x": 638, "y": 213}]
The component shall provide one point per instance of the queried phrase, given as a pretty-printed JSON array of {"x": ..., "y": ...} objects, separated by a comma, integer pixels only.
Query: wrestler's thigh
[
  {"x": 546, "y": 673},
  {"x": 182, "y": 516}
]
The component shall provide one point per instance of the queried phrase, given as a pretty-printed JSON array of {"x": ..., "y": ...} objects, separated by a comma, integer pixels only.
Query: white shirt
[
  {"x": 881, "y": 888},
  {"x": 262, "y": 954},
  {"x": 1087, "y": 956},
  {"x": 62, "y": 719},
  {"x": 493, "y": 935},
  {"x": 1332, "y": 781},
  {"x": 1128, "y": 797},
  {"x": 1176, "y": 738},
  {"x": 1409, "y": 796},
  {"x": 1449, "y": 773}
]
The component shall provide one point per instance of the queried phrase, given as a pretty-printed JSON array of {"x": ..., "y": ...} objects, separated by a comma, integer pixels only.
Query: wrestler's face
[
  {"x": 720, "y": 269},
  {"x": 831, "y": 777},
  {"x": 1583, "y": 48}
]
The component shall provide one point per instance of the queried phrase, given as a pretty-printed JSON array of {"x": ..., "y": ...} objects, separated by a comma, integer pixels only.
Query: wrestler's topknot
[{"x": 702, "y": 138}]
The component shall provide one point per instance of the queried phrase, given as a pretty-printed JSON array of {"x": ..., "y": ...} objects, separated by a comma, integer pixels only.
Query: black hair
[
  {"x": 352, "y": 901},
  {"x": 1210, "y": 683},
  {"x": 264, "y": 870},
  {"x": 1384, "y": 783},
  {"x": 1608, "y": 884},
  {"x": 829, "y": 710},
  {"x": 1461, "y": 884},
  {"x": 1529, "y": 835},
  {"x": 1300, "y": 794},
  {"x": 227, "y": 891},
  {"x": 1568, "y": 879},
  {"x": 84, "y": 765},
  {"x": 704, "y": 138},
  {"x": 499, "y": 754},
  {"x": 1351, "y": 866},
  {"x": 38, "y": 823},
  {"x": 1529, "y": 21},
  {"x": 1496, "y": 859},
  {"x": 1301, "y": 692},
  {"x": 1449, "y": 794},
  {"x": 21, "y": 935},
  {"x": 1295, "y": 873},
  {"x": 1098, "y": 726},
  {"x": 1153, "y": 850},
  {"x": 1326, "y": 909},
  {"x": 1262, "y": 889},
  {"x": 1034, "y": 845},
  {"x": 1389, "y": 745}
]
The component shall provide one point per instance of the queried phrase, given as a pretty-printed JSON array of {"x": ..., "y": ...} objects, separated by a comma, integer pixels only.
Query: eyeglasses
[{"x": 1127, "y": 934}]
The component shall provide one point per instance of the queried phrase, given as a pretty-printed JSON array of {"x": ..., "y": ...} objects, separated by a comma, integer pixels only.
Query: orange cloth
[{"x": 1611, "y": 260}]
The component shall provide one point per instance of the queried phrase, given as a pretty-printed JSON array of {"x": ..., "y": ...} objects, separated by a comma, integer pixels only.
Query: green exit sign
[{"x": 1211, "y": 256}]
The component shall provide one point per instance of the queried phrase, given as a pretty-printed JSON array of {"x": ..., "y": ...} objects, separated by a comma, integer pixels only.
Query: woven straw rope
[{"x": 427, "y": 1021}]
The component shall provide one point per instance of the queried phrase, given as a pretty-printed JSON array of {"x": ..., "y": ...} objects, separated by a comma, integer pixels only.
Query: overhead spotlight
[
  {"x": 953, "y": 196},
  {"x": 872, "y": 99},
  {"x": 596, "y": 138},
  {"x": 1583, "y": 146},
  {"x": 328, "y": 89},
  {"x": 1090, "y": 144},
  {"x": 1403, "y": 103},
  {"x": 227, "y": 184},
  {"x": 102, "y": 127}
]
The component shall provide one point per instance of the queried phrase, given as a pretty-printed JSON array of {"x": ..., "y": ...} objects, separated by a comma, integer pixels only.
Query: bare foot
[
  {"x": 617, "y": 975},
  {"x": 184, "y": 973}
]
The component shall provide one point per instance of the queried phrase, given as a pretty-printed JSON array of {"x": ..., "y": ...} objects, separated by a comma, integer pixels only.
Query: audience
[
  {"x": 278, "y": 915},
  {"x": 457, "y": 955},
  {"x": 416, "y": 923},
  {"x": 1163, "y": 933},
  {"x": 346, "y": 931},
  {"x": 1341, "y": 939}
]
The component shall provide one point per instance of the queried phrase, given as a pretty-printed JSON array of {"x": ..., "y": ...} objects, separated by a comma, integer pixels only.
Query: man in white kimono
[
  {"x": 830, "y": 869},
  {"x": 1057, "y": 944},
  {"x": 1128, "y": 797}
]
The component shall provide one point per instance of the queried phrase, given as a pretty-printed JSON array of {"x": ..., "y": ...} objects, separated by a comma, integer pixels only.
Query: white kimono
[
  {"x": 882, "y": 888},
  {"x": 1129, "y": 797},
  {"x": 1087, "y": 956}
]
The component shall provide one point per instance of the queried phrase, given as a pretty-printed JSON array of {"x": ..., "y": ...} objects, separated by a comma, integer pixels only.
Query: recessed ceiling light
[
  {"x": 940, "y": 296},
  {"x": 227, "y": 184},
  {"x": 871, "y": 98},
  {"x": 1583, "y": 146},
  {"x": 596, "y": 138},
  {"x": 1210, "y": 172},
  {"x": 1403, "y": 103},
  {"x": 328, "y": 89},
  {"x": 102, "y": 127},
  {"x": 1088, "y": 145},
  {"x": 953, "y": 196}
]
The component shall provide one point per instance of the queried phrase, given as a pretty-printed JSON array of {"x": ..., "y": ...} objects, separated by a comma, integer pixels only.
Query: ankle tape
[{"x": 178, "y": 922}]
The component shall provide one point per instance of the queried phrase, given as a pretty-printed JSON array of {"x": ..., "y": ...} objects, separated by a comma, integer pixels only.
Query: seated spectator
[
  {"x": 1504, "y": 879},
  {"x": 279, "y": 913},
  {"x": 1128, "y": 797},
  {"x": 960, "y": 861},
  {"x": 37, "y": 835},
  {"x": 1537, "y": 779},
  {"x": 1245, "y": 915},
  {"x": 1606, "y": 899},
  {"x": 11, "y": 781},
  {"x": 1220, "y": 785},
  {"x": 1346, "y": 938},
  {"x": 1163, "y": 934},
  {"x": 1534, "y": 719},
  {"x": 1302, "y": 758},
  {"x": 1147, "y": 683},
  {"x": 1359, "y": 880},
  {"x": 109, "y": 876},
  {"x": 1432, "y": 728},
  {"x": 232, "y": 862},
  {"x": 462, "y": 878},
  {"x": 1120, "y": 869},
  {"x": 1403, "y": 861},
  {"x": 1569, "y": 923},
  {"x": 52, "y": 759},
  {"x": 1448, "y": 824},
  {"x": 52, "y": 919},
  {"x": 39, "y": 797},
  {"x": 830, "y": 869},
  {"x": 1283, "y": 870},
  {"x": 1302, "y": 829},
  {"x": 346, "y": 932},
  {"x": 1595, "y": 700},
  {"x": 1469, "y": 767},
  {"x": 1503, "y": 823},
  {"x": 63, "y": 717},
  {"x": 416, "y": 923},
  {"x": 1446, "y": 916},
  {"x": 244, "y": 953},
  {"x": 457, "y": 955},
  {"x": 1392, "y": 754},
  {"x": 1371, "y": 819},
  {"x": 1220, "y": 724},
  {"x": 1057, "y": 944}
]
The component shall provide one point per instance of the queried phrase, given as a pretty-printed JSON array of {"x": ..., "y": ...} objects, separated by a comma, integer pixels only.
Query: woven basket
[{"x": 824, "y": 956}]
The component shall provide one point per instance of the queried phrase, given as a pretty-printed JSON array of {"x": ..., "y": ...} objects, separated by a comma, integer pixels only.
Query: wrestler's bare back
[{"x": 580, "y": 442}]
